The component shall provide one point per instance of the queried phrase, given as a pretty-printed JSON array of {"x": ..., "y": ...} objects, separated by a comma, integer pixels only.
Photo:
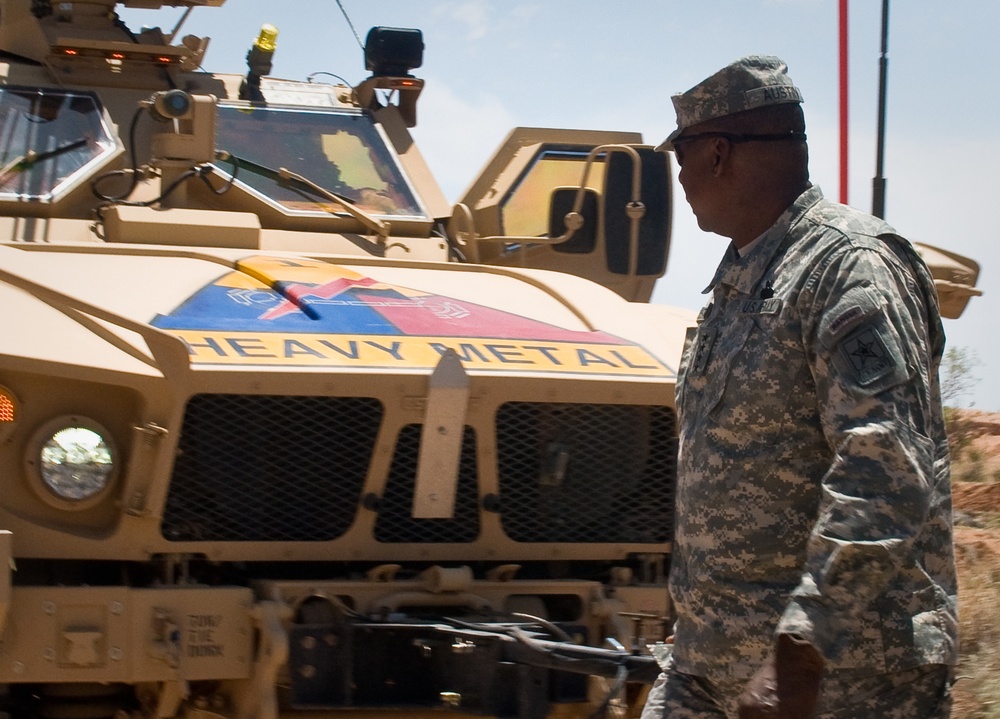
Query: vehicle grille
[
  {"x": 395, "y": 523},
  {"x": 270, "y": 469},
  {"x": 292, "y": 469},
  {"x": 586, "y": 472}
]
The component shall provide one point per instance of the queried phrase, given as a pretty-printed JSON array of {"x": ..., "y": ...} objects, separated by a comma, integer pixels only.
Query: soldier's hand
[{"x": 787, "y": 686}]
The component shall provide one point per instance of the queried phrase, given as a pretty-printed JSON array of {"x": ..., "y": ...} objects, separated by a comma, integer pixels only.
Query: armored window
[
  {"x": 525, "y": 210},
  {"x": 50, "y": 141},
  {"x": 342, "y": 151}
]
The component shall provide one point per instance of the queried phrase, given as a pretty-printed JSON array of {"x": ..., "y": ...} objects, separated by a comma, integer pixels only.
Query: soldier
[{"x": 813, "y": 570}]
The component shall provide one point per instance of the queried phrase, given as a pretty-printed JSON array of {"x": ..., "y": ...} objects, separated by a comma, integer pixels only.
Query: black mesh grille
[
  {"x": 394, "y": 522},
  {"x": 586, "y": 472},
  {"x": 270, "y": 469}
]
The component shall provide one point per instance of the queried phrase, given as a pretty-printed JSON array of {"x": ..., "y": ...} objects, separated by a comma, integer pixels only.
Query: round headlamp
[{"x": 74, "y": 462}]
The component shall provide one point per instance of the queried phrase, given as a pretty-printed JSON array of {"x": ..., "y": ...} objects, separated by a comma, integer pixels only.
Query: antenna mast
[{"x": 878, "y": 184}]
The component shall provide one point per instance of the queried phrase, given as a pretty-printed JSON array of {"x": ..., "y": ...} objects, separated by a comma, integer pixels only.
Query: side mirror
[
  {"x": 584, "y": 239},
  {"x": 650, "y": 241}
]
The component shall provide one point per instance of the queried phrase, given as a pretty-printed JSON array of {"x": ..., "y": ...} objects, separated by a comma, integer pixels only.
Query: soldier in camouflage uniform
[{"x": 813, "y": 570}]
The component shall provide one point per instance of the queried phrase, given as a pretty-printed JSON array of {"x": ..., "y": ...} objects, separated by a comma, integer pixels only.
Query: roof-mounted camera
[
  {"x": 393, "y": 51},
  {"x": 171, "y": 105},
  {"x": 190, "y": 138},
  {"x": 390, "y": 54}
]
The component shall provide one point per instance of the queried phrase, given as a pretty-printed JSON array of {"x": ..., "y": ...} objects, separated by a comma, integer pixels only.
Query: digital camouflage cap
[{"x": 750, "y": 82}]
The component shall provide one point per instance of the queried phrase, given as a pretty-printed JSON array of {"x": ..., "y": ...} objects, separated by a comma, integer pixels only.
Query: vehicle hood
[{"x": 139, "y": 309}]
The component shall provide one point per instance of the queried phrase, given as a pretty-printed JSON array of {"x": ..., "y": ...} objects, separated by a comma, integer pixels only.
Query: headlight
[{"x": 74, "y": 458}]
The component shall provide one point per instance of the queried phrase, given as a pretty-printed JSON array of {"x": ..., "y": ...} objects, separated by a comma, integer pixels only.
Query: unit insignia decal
[{"x": 278, "y": 312}]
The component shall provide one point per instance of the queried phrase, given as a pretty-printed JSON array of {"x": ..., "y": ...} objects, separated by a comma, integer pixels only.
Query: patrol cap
[{"x": 750, "y": 82}]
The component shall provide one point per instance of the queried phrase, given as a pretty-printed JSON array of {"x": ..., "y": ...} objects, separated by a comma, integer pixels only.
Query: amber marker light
[
  {"x": 259, "y": 63},
  {"x": 8, "y": 408},
  {"x": 8, "y": 411},
  {"x": 267, "y": 40}
]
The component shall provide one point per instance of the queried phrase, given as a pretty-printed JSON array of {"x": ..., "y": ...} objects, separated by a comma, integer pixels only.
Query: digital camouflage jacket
[{"x": 813, "y": 491}]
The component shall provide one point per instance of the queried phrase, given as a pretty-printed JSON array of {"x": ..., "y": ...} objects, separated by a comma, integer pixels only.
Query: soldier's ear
[{"x": 721, "y": 150}]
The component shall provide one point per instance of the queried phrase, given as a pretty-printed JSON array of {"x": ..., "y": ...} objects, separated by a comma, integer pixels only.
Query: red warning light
[
  {"x": 117, "y": 56},
  {"x": 71, "y": 52},
  {"x": 165, "y": 60}
]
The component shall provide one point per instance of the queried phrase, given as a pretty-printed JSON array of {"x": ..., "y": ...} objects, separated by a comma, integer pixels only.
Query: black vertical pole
[{"x": 878, "y": 184}]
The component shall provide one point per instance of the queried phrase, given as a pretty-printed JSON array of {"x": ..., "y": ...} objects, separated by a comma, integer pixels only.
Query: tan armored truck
[{"x": 282, "y": 431}]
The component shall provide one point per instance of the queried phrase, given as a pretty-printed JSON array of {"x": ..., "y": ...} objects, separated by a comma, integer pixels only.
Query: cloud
[
  {"x": 524, "y": 12},
  {"x": 473, "y": 14}
]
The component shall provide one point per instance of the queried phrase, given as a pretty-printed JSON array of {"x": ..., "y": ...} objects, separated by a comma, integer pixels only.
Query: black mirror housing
[{"x": 584, "y": 240}]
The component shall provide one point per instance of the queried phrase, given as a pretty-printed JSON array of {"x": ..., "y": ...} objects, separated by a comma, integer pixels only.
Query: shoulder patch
[
  {"x": 846, "y": 318},
  {"x": 846, "y": 314},
  {"x": 869, "y": 355}
]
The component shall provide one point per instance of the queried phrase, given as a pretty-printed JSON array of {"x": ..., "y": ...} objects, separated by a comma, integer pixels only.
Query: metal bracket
[{"x": 441, "y": 440}]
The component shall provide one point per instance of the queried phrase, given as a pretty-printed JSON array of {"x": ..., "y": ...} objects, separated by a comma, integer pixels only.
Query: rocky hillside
[{"x": 976, "y": 496}]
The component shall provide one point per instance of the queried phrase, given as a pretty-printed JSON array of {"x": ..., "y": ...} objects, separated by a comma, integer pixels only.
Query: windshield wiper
[
  {"x": 32, "y": 158},
  {"x": 285, "y": 176},
  {"x": 379, "y": 227}
]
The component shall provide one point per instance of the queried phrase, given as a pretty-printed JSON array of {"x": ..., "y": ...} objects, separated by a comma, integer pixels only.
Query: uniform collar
[{"x": 744, "y": 273}]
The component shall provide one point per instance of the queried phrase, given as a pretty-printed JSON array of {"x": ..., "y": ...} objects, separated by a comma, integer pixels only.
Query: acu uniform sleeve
[{"x": 866, "y": 338}]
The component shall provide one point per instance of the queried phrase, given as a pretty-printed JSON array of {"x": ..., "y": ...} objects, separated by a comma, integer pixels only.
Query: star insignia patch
[{"x": 867, "y": 355}]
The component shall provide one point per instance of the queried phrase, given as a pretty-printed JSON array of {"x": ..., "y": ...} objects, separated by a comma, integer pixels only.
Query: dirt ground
[
  {"x": 976, "y": 499},
  {"x": 976, "y": 468}
]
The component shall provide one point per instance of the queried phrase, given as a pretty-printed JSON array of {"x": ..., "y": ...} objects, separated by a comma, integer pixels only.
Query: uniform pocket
[
  {"x": 710, "y": 364},
  {"x": 934, "y": 635},
  {"x": 759, "y": 378},
  {"x": 861, "y": 645}
]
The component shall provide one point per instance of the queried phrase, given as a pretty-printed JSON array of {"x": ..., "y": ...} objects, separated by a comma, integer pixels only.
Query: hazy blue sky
[{"x": 491, "y": 65}]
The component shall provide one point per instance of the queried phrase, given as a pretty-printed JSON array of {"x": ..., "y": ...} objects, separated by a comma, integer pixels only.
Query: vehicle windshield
[
  {"x": 48, "y": 140},
  {"x": 343, "y": 151}
]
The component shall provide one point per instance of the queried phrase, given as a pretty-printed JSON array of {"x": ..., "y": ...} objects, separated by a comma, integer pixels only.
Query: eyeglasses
[{"x": 773, "y": 137}]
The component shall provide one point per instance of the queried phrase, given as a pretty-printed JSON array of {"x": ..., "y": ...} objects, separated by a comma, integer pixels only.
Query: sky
[{"x": 492, "y": 65}]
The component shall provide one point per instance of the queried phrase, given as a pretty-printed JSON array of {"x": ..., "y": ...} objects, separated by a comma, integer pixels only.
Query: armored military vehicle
[{"x": 282, "y": 431}]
